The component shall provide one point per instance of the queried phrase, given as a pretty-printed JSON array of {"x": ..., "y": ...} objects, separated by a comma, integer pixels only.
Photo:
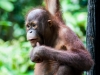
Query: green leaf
[
  {"x": 6, "y": 5},
  {"x": 12, "y": 0},
  {"x": 5, "y": 23}
]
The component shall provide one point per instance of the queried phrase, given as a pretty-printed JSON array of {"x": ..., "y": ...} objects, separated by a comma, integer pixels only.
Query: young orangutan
[{"x": 57, "y": 49}]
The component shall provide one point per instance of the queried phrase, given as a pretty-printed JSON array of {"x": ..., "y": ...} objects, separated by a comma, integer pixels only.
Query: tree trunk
[{"x": 93, "y": 32}]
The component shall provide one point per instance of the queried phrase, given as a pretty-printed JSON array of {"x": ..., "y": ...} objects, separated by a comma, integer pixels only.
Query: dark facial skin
[
  {"x": 38, "y": 27},
  {"x": 32, "y": 34},
  {"x": 32, "y": 28},
  {"x": 57, "y": 49}
]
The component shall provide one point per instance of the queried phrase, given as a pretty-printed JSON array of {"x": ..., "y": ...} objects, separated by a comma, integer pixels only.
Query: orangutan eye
[
  {"x": 28, "y": 26},
  {"x": 33, "y": 25}
]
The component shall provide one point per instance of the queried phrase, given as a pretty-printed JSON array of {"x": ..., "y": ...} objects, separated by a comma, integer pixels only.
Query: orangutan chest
[{"x": 46, "y": 68}]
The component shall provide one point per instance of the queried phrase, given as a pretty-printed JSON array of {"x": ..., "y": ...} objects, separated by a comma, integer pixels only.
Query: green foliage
[
  {"x": 5, "y": 23},
  {"x": 14, "y": 58},
  {"x": 7, "y": 5}
]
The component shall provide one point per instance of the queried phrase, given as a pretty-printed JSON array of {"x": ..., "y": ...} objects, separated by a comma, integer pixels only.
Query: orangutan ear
[{"x": 50, "y": 23}]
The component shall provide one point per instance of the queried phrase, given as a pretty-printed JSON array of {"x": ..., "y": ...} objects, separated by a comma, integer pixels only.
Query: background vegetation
[{"x": 14, "y": 48}]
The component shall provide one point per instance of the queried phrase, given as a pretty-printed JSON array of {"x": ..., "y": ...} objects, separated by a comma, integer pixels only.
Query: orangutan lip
[{"x": 32, "y": 40}]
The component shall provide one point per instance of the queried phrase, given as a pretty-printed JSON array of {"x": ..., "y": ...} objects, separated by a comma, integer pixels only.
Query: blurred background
[{"x": 14, "y": 48}]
